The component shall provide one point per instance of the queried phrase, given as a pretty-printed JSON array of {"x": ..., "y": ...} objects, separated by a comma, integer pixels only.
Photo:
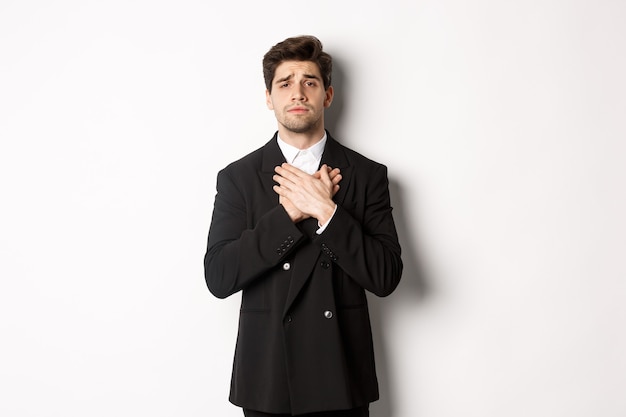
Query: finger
[
  {"x": 324, "y": 173},
  {"x": 335, "y": 175},
  {"x": 283, "y": 173},
  {"x": 334, "y": 172},
  {"x": 284, "y": 185},
  {"x": 289, "y": 171},
  {"x": 332, "y": 177},
  {"x": 281, "y": 191},
  {"x": 284, "y": 182}
]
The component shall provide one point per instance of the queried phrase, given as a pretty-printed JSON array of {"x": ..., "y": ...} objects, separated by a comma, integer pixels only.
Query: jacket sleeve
[
  {"x": 242, "y": 247},
  {"x": 365, "y": 244}
]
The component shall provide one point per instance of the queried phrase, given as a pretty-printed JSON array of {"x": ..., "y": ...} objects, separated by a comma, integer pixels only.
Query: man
[{"x": 302, "y": 226}]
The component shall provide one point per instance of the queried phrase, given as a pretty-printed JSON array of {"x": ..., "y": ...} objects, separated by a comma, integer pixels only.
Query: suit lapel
[
  {"x": 272, "y": 157},
  {"x": 334, "y": 156}
]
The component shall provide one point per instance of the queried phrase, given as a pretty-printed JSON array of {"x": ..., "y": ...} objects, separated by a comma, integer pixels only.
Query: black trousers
[{"x": 354, "y": 412}]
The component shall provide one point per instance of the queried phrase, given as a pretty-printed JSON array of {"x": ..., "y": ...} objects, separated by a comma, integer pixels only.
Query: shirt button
[
  {"x": 286, "y": 266},
  {"x": 328, "y": 314}
]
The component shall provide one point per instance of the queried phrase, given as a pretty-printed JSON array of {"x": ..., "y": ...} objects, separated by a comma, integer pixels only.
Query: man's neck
[{"x": 301, "y": 140}]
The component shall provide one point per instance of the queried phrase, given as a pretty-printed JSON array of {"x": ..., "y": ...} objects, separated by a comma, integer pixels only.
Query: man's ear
[
  {"x": 330, "y": 93},
  {"x": 268, "y": 100}
]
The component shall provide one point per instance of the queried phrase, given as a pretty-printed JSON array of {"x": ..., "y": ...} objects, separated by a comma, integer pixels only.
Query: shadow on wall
[
  {"x": 413, "y": 286},
  {"x": 332, "y": 115}
]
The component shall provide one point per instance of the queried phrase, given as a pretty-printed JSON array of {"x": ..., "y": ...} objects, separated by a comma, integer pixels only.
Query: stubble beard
[{"x": 297, "y": 124}]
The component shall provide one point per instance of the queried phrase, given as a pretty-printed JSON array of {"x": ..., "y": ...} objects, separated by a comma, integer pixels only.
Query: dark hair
[{"x": 299, "y": 48}]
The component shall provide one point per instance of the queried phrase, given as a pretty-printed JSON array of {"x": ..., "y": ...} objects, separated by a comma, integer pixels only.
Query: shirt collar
[{"x": 290, "y": 152}]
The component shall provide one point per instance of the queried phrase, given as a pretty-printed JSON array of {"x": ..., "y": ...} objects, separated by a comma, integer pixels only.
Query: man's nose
[{"x": 298, "y": 93}]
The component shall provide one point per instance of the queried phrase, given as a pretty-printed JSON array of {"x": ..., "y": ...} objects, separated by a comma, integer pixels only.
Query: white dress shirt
[{"x": 308, "y": 160}]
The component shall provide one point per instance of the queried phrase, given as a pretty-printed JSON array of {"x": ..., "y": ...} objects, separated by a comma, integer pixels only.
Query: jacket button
[
  {"x": 328, "y": 314},
  {"x": 288, "y": 319},
  {"x": 324, "y": 264},
  {"x": 286, "y": 266}
]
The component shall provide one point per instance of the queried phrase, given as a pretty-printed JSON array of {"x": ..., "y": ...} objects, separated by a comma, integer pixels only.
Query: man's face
[{"x": 298, "y": 97}]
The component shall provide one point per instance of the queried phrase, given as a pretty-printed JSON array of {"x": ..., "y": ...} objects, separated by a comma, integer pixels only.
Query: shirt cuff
[{"x": 322, "y": 227}]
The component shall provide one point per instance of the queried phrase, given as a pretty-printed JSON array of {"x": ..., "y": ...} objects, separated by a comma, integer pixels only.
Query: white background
[{"x": 503, "y": 127}]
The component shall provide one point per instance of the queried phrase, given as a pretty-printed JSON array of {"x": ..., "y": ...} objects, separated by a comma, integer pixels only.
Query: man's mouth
[{"x": 298, "y": 110}]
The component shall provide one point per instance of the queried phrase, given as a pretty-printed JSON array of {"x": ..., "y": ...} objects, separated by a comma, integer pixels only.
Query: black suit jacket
[{"x": 304, "y": 343}]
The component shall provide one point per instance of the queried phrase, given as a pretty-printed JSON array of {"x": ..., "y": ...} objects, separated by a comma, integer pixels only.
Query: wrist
[{"x": 326, "y": 213}]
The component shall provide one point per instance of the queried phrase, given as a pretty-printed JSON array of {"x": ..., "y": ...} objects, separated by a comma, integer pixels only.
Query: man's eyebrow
[
  {"x": 290, "y": 76},
  {"x": 315, "y": 77},
  {"x": 287, "y": 78}
]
